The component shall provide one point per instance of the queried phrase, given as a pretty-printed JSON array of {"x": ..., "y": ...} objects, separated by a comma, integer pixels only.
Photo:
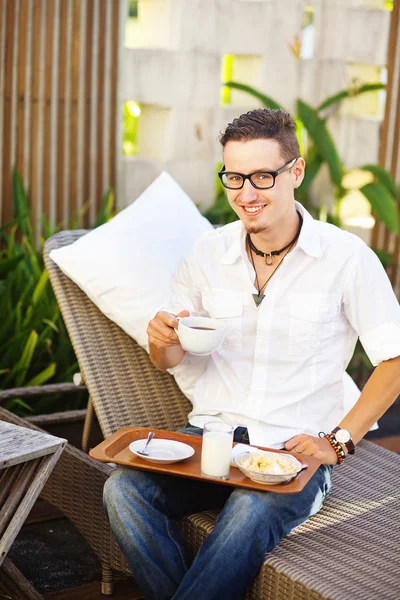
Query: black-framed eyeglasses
[{"x": 261, "y": 180}]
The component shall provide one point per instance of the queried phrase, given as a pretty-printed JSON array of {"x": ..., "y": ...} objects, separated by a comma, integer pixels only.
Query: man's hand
[
  {"x": 161, "y": 329},
  {"x": 313, "y": 446}
]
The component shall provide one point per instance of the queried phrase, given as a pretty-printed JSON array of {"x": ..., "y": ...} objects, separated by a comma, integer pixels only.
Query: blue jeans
[{"x": 142, "y": 508}]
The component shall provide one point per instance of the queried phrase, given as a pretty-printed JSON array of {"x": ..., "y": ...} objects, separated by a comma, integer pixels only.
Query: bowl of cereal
[{"x": 268, "y": 467}]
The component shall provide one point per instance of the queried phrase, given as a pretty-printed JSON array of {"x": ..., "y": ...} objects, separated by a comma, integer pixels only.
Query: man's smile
[{"x": 253, "y": 210}]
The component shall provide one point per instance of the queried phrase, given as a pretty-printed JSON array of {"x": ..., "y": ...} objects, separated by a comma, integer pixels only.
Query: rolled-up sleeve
[{"x": 371, "y": 306}]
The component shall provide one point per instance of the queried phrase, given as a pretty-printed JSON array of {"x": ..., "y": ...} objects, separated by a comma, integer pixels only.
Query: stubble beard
[{"x": 256, "y": 228}]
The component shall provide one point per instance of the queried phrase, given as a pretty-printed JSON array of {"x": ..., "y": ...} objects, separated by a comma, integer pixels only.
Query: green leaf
[
  {"x": 8, "y": 264},
  {"x": 43, "y": 376},
  {"x": 301, "y": 133},
  {"x": 52, "y": 325},
  {"x": 18, "y": 316},
  {"x": 21, "y": 205},
  {"x": 17, "y": 402},
  {"x": 107, "y": 208},
  {"x": 26, "y": 358},
  {"x": 266, "y": 100},
  {"x": 350, "y": 93},
  {"x": 382, "y": 205},
  {"x": 313, "y": 166},
  {"x": 32, "y": 256},
  {"x": 11, "y": 240},
  {"x": 384, "y": 178},
  {"x": 321, "y": 138},
  {"x": 40, "y": 287}
]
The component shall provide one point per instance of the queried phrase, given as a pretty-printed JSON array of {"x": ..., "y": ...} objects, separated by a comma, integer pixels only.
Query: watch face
[{"x": 343, "y": 436}]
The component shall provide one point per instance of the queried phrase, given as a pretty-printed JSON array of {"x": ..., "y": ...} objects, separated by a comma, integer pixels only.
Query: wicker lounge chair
[{"x": 346, "y": 551}]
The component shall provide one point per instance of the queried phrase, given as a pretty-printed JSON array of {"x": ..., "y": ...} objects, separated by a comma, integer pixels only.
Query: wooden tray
[{"x": 116, "y": 449}]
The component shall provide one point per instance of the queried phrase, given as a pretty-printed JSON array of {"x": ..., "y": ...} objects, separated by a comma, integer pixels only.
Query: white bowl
[{"x": 269, "y": 478}]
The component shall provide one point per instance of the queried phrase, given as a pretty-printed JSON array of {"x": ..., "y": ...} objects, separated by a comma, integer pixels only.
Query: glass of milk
[{"x": 216, "y": 451}]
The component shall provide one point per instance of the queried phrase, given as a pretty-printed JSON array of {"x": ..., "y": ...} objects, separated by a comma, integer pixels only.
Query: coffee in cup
[{"x": 200, "y": 335}]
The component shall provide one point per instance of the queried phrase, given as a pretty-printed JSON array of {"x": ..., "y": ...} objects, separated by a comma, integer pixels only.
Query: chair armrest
[{"x": 40, "y": 390}]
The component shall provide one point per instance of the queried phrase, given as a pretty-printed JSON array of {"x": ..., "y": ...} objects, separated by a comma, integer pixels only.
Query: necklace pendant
[
  {"x": 268, "y": 259},
  {"x": 258, "y": 298}
]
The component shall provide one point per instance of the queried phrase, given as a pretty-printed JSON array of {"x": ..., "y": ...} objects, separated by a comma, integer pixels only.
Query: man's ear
[{"x": 299, "y": 171}]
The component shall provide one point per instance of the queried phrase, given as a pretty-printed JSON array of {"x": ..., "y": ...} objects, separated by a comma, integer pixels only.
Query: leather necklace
[
  {"x": 268, "y": 255},
  {"x": 258, "y": 298}
]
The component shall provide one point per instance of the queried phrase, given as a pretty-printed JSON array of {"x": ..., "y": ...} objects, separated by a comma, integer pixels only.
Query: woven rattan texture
[
  {"x": 350, "y": 549},
  {"x": 110, "y": 360}
]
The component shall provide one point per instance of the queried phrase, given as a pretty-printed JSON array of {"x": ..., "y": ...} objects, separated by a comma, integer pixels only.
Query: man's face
[{"x": 261, "y": 209}]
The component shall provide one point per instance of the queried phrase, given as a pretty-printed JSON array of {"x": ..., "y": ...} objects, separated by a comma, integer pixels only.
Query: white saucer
[{"x": 162, "y": 451}]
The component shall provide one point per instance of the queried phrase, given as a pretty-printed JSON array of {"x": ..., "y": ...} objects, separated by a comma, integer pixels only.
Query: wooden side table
[{"x": 27, "y": 458}]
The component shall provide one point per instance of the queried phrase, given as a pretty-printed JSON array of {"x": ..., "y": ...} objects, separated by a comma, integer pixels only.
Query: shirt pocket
[
  {"x": 227, "y": 306},
  {"x": 312, "y": 323}
]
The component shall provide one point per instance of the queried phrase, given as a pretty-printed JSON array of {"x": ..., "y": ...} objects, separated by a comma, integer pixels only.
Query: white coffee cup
[{"x": 200, "y": 335}]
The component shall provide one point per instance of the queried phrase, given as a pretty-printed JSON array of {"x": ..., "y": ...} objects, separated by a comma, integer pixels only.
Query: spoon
[{"x": 149, "y": 438}]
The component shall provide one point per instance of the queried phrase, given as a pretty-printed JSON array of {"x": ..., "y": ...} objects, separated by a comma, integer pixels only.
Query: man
[{"x": 295, "y": 295}]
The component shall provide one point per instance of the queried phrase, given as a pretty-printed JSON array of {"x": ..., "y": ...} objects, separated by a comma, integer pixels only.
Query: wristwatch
[{"x": 343, "y": 437}]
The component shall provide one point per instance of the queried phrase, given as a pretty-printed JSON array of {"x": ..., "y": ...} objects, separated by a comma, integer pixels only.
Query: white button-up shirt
[{"x": 280, "y": 370}]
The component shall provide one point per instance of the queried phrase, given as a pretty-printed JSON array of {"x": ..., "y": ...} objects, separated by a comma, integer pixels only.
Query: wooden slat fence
[
  {"x": 59, "y": 70},
  {"x": 390, "y": 146}
]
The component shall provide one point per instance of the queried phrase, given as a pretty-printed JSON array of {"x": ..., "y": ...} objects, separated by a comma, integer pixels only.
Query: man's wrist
[{"x": 343, "y": 437}]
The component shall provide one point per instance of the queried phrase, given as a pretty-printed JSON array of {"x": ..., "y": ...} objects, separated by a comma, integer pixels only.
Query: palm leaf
[
  {"x": 384, "y": 178},
  {"x": 266, "y": 100},
  {"x": 382, "y": 204},
  {"x": 350, "y": 93},
  {"x": 313, "y": 165},
  {"x": 320, "y": 136}
]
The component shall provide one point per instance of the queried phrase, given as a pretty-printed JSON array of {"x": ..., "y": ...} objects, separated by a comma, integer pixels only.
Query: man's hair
[{"x": 264, "y": 123}]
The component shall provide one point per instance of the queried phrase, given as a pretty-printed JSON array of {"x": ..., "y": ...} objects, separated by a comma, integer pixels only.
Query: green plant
[
  {"x": 319, "y": 149},
  {"x": 34, "y": 345}
]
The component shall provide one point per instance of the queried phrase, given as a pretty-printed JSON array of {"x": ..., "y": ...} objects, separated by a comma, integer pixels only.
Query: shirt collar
[{"x": 309, "y": 240}]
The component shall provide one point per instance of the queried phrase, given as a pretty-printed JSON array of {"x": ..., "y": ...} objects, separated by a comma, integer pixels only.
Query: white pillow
[{"x": 126, "y": 265}]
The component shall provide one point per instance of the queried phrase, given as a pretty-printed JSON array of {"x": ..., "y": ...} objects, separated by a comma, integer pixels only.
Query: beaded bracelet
[{"x": 340, "y": 453}]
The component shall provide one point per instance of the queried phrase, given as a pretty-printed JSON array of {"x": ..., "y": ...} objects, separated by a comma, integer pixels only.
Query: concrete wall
[{"x": 174, "y": 72}]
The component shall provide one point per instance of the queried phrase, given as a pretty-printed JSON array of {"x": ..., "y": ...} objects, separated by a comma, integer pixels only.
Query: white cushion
[{"x": 126, "y": 265}]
